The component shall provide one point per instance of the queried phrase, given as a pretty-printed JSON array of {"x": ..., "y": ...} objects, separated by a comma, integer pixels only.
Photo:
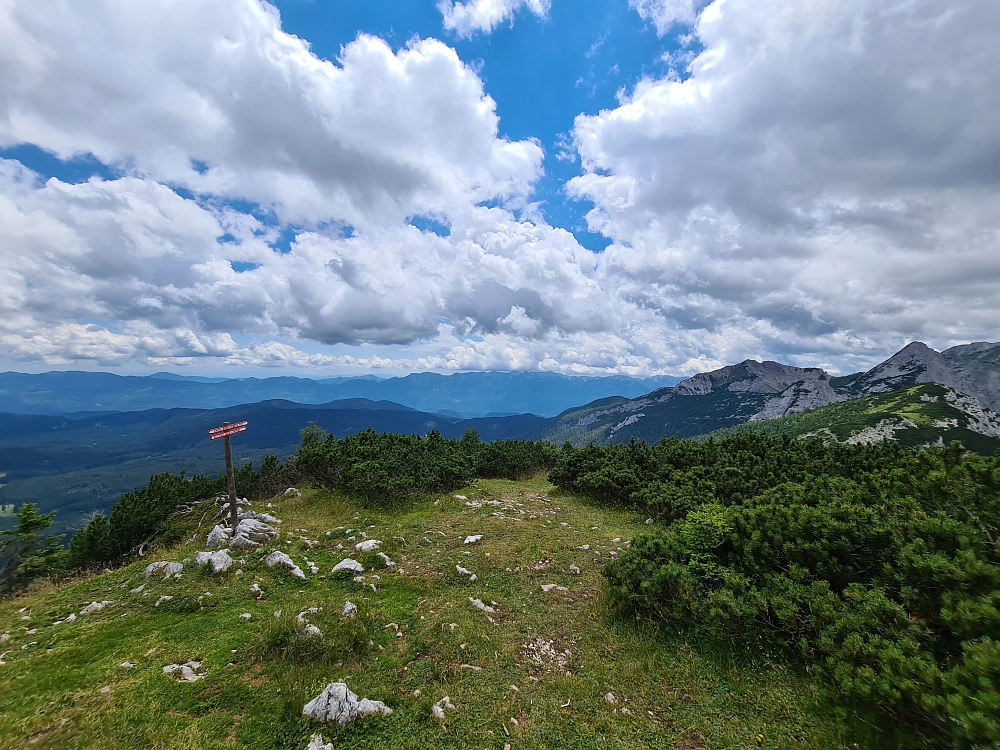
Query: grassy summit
[{"x": 534, "y": 674}]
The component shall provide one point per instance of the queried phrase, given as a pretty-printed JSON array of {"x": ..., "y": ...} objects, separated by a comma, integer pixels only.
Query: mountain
[
  {"x": 755, "y": 391},
  {"x": 81, "y": 463},
  {"x": 474, "y": 394},
  {"x": 923, "y": 414}
]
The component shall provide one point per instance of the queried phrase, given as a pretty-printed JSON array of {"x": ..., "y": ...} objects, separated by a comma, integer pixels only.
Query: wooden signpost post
[{"x": 225, "y": 432}]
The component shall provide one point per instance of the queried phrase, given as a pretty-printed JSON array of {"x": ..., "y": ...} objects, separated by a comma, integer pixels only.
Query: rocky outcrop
[
  {"x": 337, "y": 704},
  {"x": 219, "y": 561}
]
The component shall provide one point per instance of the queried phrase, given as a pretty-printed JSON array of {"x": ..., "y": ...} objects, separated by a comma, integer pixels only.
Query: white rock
[
  {"x": 256, "y": 591},
  {"x": 547, "y": 587},
  {"x": 368, "y": 545},
  {"x": 437, "y": 710},
  {"x": 460, "y": 497},
  {"x": 162, "y": 599},
  {"x": 610, "y": 698},
  {"x": 350, "y": 610},
  {"x": 574, "y": 570},
  {"x": 219, "y": 537},
  {"x": 283, "y": 560},
  {"x": 463, "y": 571},
  {"x": 316, "y": 742},
  {"x": 387, "y": 560},
  {"x": 339, "y": 705},
  {"x": 241, "y": 541},
  {"x": 351, "y": 566},
  {"x": 126, "y": 665},
  {"x": 313, "y": 630},
  {"x": 167, "y": 568},
  {"x": 649, "y": 521},
  {"x": 478, "y": 604},
  {"x": 219, "y": 561},
  {"x": 472, "y": 539},
  {"x": 255, "y": 530},
  {"x": 292, "y": 492},
  {"x": 246, "y": 617},
  {"x": 138, "y": 589},
  {"x": 94, "y": 607},
  {"x": 187, "y": 672}
]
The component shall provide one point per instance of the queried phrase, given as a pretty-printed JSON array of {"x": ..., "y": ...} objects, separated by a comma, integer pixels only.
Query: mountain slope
[
  {"x": 754, "y": 391},
  {"x": 920, "y": 415}
]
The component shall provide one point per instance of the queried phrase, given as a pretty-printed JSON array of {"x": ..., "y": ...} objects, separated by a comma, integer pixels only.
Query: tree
[{"x": 25, "y": 553}]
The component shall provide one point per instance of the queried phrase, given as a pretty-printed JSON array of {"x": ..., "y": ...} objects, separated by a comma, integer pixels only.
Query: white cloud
[
  {"x": 826, "y": 180},
  {"x": 666, "y": 14},
  {"x": 466, "y": 18}
]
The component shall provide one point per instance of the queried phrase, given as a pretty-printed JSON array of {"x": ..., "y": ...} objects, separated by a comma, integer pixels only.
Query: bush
[{"x": 879, "y": 564}]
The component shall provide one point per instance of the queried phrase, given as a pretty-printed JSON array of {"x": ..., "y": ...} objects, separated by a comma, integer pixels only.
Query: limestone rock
[
  {"x": 437, "y": 710},
  {"x": 166, "y": 568},
  {"x": 472, "y": 539},
  {"x": 94, "y": 607},
  {"x": 284, "y": 561},
  {"x": 337, "y": 704},
  {"x": 389, "y": 563},
  {"x": 218, "y": 537},
  {"x": 292, "y": 492},
  {"x": 316, "y": 742},
  {"x": 219, "y": 561},
  {"x": 187, "y": 672},
  {"x": 349, "y": 565},
  {"x": 478, "y": 604},
  {"x": 368, "y": 545},
  {"x": 350, "y": 610}
]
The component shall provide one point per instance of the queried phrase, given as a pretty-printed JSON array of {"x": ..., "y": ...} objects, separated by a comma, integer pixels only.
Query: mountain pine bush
[{"x": 879, "y": 564}]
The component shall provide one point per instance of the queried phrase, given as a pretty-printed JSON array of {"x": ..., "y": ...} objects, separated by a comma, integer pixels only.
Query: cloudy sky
[{"x": 584, "y": 186}]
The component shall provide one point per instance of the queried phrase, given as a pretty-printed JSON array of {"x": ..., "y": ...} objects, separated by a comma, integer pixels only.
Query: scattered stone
[
  {"x": 547, "y": 587},
  {"x": 187, "y": 672},
  {"x": 610, "y": 698},
  {"x": 280, "y": 558},
  {"x": 349, "y": 565},
  {"x": 138, "y": 589},
  {"x": 350, "y": 610},
  {"x": 167, "y": 568},
  {"x": 337, "y": 704},
  {"x": 312, "y": 630},
  {"x": 464, "y": 571},
  {"x": 437, "y": 710},
  {"x": 478, "y": 604},
  {"x": 162, "y": 599},
  {"x": 584, "y": 547},
  {"x": 368, "y": 545},
  {"x": 291, "y": 492},
  {"x": 218, "y": 537},
  {"x": 574, "y": 570},
  {"x": 460, "y": 497},
  {"x": 473, "y": 539},
  {"x": 126, "y": 665},
  {"x": 219, "y": 561},
  {"x": 316, "y": 742},
  {"x": 69, "y": 618},
  {"x": 471, "y": 667},
  {"x": 4, "y": 638},
  {"x": 257, "y": 592},
  {"x": 387, "y": 560},
  {"x": 649, "y": 521},
  {"x": 246, "y": 617},
  {"x": 625, "y": 711},
  {"x": 94, "y": 607}
]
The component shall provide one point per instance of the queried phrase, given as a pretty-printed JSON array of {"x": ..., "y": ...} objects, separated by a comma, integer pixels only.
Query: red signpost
[{"x": 225, "y": 432}]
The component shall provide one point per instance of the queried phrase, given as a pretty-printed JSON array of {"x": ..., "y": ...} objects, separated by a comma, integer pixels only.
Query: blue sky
[{"x": 640, "y": 187}]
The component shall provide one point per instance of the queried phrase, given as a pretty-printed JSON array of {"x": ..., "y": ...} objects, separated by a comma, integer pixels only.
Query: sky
[{"x": 635, "y": 187}]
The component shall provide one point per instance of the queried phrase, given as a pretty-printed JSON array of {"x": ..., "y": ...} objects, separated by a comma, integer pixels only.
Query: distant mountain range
[
  {"x": 99, "y": 439},
  {"x": 473, "y": 394},
  {"x": 756, "y": 391}
]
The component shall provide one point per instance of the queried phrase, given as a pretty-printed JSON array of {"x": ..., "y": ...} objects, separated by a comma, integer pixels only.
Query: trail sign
[{"x": 225, "y": 432}]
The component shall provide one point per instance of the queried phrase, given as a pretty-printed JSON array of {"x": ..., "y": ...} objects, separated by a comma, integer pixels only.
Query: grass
[{"x": 535, "y": 676}]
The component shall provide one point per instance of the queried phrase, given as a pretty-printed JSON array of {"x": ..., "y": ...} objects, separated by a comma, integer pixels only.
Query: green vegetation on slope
[
  {"x": 923, "y": 415},
  {"x": 538, "y": 672},
  {"x": 877, "y": 565}
]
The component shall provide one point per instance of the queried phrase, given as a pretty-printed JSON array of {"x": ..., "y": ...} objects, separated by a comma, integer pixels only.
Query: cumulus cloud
[
  {"x": 818, "y": 189},
  {"x": 826, "y": 179},
  {"x": 466, "y": 18}
]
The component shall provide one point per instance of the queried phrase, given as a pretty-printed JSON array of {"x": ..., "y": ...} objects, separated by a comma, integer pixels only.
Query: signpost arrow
[{"x": 225, "y": 432}]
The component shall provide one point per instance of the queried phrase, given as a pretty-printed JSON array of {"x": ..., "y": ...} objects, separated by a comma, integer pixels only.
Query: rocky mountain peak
[{"x": 749, "y": 376}]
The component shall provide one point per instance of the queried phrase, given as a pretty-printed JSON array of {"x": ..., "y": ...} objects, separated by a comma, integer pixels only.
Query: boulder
[
  {"x": 219, "y": 537},
  {"x": 167, "y": 568},
  {"x": 337, "y": 704},
  {"x": 349, "y": 565},
  {"x": 219, "y": 561},
  {"x": 256, "y": 530},
  {"x": 282, "y": 560},
  {"x": 368, "y": 545},
  {"x": 242, "y": 542}
]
